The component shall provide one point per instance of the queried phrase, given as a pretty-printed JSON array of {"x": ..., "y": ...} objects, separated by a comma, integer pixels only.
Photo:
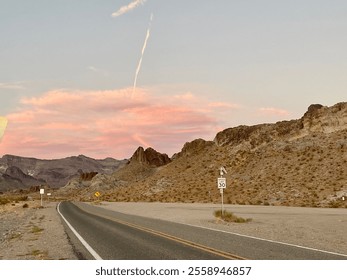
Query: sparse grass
[
  {"x": 35, "y": 252},
  {"x": 12, "y": 198},
  {"x": 39, "y": 254},
  {"x": 36, "y": 229},
  {"x": 230, "y": 217},
  {"x": 4, "y": 200},
  {"x": 15, "y": 235}
]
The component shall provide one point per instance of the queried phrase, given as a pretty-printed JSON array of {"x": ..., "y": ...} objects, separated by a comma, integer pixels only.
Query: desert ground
[
  {"x": 33, "y": 233},
  {"x": 38, "y": 233}
]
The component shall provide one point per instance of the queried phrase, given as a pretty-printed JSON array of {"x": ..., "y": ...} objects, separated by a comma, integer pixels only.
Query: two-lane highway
[
  {"x": 115, "y": 239},
  {"x": 112, "y": 235}
]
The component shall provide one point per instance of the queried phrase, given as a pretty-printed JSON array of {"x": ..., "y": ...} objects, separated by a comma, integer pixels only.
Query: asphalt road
[{"x": 114, "y": 235}]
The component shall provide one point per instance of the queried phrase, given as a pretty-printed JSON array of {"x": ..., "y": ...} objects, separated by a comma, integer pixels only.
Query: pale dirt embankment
[{"x": 34, "y": 233}]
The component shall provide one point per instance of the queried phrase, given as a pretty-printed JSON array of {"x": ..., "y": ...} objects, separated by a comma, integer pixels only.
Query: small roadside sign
[
  {"x": 222, "y": 183},
  {"x": 97, "y": 194},
  {"x": 42, "y": 192}
]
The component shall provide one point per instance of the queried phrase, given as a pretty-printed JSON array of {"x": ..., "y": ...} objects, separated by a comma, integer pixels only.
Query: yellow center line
[{"x": 173, "y": 238}]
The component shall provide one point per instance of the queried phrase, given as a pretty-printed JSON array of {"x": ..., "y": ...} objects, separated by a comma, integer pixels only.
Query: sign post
[
  {"x": 42, "y": 192},
  {"x": 222, "y": 184}
]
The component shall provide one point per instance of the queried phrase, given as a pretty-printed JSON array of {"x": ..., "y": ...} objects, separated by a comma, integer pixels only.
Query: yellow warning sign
[{"x": 97, "y": 194}]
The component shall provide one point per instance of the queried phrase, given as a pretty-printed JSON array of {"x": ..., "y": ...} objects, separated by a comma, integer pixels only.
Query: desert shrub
[
  {"x": 4, "y": 200},
  {"x": 12, "y": 198},
  {"x": 36, "y": 229},
  {"x": 229, "y": 217}
]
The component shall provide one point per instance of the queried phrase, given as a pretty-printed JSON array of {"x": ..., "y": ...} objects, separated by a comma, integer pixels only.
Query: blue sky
[{"x": 251, "y": 61}]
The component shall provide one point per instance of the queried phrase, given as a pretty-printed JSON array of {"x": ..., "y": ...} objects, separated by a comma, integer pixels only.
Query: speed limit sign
[{"x": 222, "y": 183}]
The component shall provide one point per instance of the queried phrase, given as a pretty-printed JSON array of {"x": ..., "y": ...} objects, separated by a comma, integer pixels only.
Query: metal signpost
[{"x": 222, "y": 184}]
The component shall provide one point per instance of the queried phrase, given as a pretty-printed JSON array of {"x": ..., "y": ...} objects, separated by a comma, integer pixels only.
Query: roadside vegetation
[
  {"x": 229, "y": 217},
  {"x": 12, "y": 199},
  {"x": 36, "y": 229}
]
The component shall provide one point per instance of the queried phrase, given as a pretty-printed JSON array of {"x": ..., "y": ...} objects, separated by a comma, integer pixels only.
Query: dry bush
[
  {"x": 9, "y": 199},
  {"x": 229, "y": 217}
]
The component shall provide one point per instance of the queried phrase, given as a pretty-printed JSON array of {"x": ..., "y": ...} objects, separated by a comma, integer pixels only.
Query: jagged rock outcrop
[
  {"x": 256, "y": 135},
  {"x": 150, "y": 157},
  {"x": 324, "y": 119},
  {"x": 193, "y": 147},
  {"x": 317, "y": 119}
]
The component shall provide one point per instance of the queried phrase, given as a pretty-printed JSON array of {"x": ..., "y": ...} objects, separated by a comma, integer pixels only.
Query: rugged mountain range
[
  {"x": 300, "y": 162},
  {"x": 20, "y": 172}
]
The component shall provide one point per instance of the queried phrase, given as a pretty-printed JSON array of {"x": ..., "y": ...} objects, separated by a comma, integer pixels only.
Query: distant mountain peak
[{"x": 150, "y": 157}]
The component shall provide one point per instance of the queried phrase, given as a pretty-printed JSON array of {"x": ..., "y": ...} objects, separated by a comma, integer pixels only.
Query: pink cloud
[
  {"x": 188, "y": 96},
  {"x": 223, "y": 105},
  {"x": 100, "y": 124},
  {"x": 273, "y": 111}
]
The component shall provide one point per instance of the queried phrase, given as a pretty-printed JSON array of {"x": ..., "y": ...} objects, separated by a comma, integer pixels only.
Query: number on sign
[{"x": 222, "y": 184}]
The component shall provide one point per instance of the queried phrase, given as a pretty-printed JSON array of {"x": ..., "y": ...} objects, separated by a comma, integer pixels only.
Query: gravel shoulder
[
  {"x": 33, "y": 233},
  {"x": 318, "y": 228}
]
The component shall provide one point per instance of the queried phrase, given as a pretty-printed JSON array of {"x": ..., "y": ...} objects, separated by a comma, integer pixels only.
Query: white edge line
[
  {"x": 80, "y": 238},
  {"x": 263, "y": 239}
]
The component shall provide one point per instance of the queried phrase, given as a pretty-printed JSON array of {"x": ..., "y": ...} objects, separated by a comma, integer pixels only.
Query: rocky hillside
[
  {"x": 142, "y": 164},
  {"x": 20, "y": 172},
  {"x": 299, "y": 163},
  {"x": 150, "y": 157}
]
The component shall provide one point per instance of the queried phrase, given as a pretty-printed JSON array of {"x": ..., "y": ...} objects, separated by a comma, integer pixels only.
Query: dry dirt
[{"x": 33, "y": 233}]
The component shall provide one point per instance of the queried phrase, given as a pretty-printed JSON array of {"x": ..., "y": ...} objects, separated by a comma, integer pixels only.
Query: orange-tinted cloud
[
  {"x": 99, "y": 124},
  {"x": 273, "y": 111}
]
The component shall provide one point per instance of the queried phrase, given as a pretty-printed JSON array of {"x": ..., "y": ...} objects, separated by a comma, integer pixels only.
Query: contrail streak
[
  {"x": 142, "y": 52},
  {"x": 123, "y": 10}
]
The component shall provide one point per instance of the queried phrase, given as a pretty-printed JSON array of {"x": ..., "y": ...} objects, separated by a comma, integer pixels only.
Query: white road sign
[
  {"x": 42, "y": 191},
  {"x": 222, "y": 183}
]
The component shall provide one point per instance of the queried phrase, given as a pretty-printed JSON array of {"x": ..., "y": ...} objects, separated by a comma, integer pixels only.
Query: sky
[{"x": 102, "y": 77}]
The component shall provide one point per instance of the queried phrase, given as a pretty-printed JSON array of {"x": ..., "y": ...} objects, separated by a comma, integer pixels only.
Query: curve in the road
[
  {"x": 230, "y": 245},
  {"x": 125, "y": 235},
  {"x": 79, "y": 237}
]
